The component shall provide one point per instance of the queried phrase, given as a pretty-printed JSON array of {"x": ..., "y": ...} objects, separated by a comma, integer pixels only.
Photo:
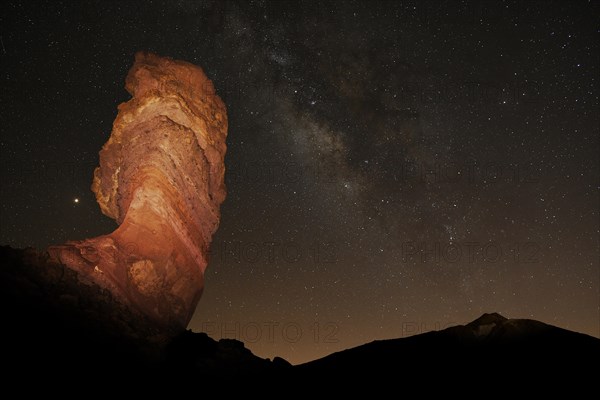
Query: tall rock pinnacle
[{"x": 161, "y": 177}]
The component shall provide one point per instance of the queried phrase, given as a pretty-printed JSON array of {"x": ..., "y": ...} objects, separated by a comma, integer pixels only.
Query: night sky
[{"x": 392, "y": 168}]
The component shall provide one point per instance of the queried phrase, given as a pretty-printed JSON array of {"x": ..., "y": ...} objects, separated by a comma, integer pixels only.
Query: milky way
[{"x": 391, "y": 168}]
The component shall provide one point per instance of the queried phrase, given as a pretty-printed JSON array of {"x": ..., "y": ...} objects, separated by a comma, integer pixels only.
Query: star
[{"x": 76, "y": 200}]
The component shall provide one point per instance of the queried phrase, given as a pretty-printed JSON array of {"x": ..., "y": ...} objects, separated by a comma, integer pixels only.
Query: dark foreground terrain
[{"x": 55, "y": 328}]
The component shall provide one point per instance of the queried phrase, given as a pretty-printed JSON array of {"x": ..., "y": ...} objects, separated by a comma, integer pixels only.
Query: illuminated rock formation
[{"x": 161, "y": 178}]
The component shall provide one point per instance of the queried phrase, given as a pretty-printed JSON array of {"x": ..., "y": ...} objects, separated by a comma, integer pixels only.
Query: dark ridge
[
  {"x": 56, "y": 327},
  {"x": 51, "y": 318}
]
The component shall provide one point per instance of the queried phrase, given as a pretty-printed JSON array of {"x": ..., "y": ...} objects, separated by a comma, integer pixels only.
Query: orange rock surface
[{"x": 161, "y": 177}]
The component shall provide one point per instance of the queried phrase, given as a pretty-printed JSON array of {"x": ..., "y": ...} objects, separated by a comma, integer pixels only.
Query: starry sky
[{"x": 392, "y": 167}]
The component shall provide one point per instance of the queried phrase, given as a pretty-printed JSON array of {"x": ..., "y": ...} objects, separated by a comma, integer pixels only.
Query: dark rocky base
[
  {"x": 55, "y": 325},
  {"x": 57, "y": 329}
]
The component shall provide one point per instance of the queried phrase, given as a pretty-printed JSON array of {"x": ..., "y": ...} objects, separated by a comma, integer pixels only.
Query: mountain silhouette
[
  {"x": 56, "y": 327},
  {"x": 484, "y": 350}
]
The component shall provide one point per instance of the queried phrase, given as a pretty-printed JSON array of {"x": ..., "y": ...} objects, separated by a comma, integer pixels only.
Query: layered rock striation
[{"x": 161, "y": 177}]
